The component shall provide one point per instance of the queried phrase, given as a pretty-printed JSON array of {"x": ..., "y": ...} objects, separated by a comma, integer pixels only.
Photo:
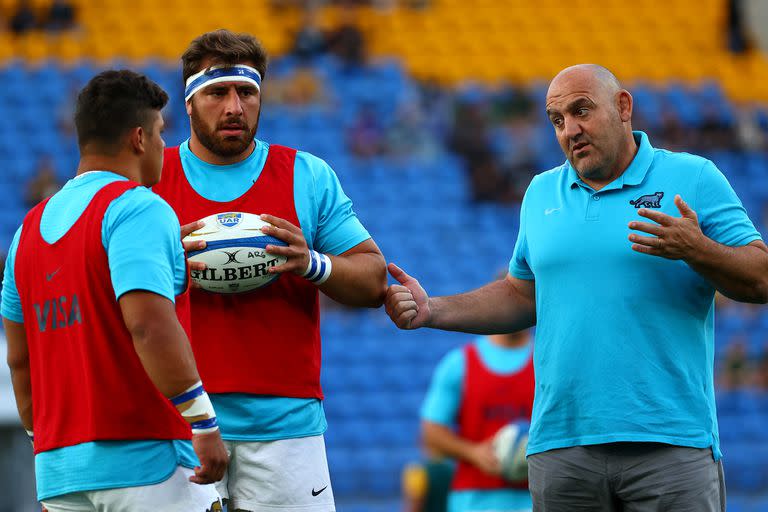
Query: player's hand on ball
[
  {"x": 213, "y": 458},
  {"x": 482, "y": 456},
  {"x": 297, "y": 251},
  {"x": 195, "y": 245},
  {"x": 407, "y": 304}
]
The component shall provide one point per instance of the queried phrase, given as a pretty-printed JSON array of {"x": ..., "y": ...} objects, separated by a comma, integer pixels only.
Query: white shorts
[
  {"x": 284, "y": 475},
  {"x": 176, "y": 494}
]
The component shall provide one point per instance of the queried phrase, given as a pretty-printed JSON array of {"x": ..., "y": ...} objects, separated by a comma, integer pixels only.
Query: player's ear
[
  {"x": 625, "y": 104},
  {"x": 188, "y": 104},
  {"x": 137, "y": 139}
]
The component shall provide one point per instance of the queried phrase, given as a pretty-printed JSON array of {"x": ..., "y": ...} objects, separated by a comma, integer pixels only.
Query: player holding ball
[{"x": 259, "y": 352}]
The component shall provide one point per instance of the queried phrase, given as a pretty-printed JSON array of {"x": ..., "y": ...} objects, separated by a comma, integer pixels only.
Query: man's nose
[
  {"x": 233, "y": 106},
  {"x": 572, "y": 128}
]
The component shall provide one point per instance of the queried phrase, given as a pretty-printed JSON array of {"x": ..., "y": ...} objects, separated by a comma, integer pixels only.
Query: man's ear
[
  {"x": 625, "y": 104},
  {"x": 137, "y": 139},
  {"x": 189, "y": 107}
]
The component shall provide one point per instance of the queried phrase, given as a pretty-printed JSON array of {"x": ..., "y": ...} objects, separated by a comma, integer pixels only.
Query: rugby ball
[
  {"x": 234, "y": 254},
  {"x": 510, "y": 444}
]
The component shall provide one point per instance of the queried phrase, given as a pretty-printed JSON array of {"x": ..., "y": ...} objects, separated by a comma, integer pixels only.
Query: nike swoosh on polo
[
  {"x": 315, "y": 493},
  {"x": 550, "y": 211}
]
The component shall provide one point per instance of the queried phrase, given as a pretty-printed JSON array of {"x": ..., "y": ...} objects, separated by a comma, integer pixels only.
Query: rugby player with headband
[
  {"x": 259, "y": 352},
  {"x": 319, "y": 266}
]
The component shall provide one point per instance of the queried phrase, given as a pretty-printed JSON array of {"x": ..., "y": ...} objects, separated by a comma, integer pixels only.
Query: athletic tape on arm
[
  {"x": 318, "y": 269},
  {"x": 195, "y": 406}
]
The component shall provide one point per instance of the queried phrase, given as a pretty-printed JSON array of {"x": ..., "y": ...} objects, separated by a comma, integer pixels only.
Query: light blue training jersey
[
  {"x": 624, "y": 340},
  {"x": 153, "y": 262},
  {"x": 330, "y": 226},
  {"x": 441, "y": 405}
]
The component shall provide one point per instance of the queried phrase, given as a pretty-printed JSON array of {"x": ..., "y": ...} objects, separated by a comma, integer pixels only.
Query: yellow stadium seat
[
  {"x": 7, "y": 47},
  {"x": 33, "y": 46},
  {"x": 513, "y": 40},
  {"x": 68, "y": 48}
]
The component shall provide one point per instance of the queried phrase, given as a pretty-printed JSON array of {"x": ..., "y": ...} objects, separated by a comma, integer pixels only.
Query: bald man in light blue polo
[{"x": 619, "y": 255}]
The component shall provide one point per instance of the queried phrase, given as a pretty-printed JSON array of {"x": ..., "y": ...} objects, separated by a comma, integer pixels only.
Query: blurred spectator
[
  {"x": 60, "y": 16},
  {"x": 418, "y": 5},
  {"x": 366, "y": 135},
  {"x": 437, "y": 105},
  {"x": 761, "y": 370},
  {"x": 514, "y": 145},
  {"x": 470, "y": 135},
  {"x": 309, "y": 41},
  {"x": 738, "y": 40},
  {"x": 514, "y": 103},
  {"x": 488, "y": 183},
  {"x": 714, "y": 132},
  {"x": 297, "y": 4},
  {"x": 409, "y": 135},
  {"x": 750, "y": 136},
  {"x": 23, "y": 19},
  {"x": 734, "y": 373},
  {"x": 44, "y": 184},
  {"x": 471, "y": 139},
  {"x": 64, "y": 112},
  {"x": 300, "y": 88},
  {"x": 346, "y": 41},
  {"x": 673, "y": 135}
]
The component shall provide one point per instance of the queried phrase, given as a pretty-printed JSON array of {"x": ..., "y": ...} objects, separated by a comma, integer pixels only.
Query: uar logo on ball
[{"x": 235, "y": 254}]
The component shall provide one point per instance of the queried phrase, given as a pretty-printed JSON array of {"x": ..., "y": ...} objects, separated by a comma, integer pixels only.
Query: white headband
[{"x": 216, "y": 74}]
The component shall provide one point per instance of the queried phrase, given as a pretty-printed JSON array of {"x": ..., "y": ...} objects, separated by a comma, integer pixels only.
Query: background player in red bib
[
  {"x": 95, "y": 318},
  {"x": 477, "y": 389},
  {"x": 259, "y": 352}
]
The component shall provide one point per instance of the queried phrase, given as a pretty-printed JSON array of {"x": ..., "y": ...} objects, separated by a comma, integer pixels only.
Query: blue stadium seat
[{"x": 684, "y": 102}]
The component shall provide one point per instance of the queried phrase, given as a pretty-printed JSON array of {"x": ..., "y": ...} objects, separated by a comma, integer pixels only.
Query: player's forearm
[
  {"x": 160, "y": 341},
  {"x": 18, "y": 363},
  {"x": 166, "y": 356},
  {"x": 358, "y": 279},
  {"x": 168, "y": 360},
  {"x": 22, "y": 391},
  {"x": 740, "y": 273},
  {"x": 497, "y": 307},
  {"x": 444, "y": 442}
]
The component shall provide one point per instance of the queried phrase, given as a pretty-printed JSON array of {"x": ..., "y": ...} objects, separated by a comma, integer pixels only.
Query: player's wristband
[
  {"x": 31, "y": 435},
  {"x": 195, "y": 406},
  {"x": 318, "y": 269}
]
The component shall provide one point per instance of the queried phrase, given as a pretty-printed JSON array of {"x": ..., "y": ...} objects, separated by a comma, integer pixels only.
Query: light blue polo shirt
[
  {"x": 624, "y": 340},
  {"x": 330, "y": 226},
  {"x": 152, "y": 262}
]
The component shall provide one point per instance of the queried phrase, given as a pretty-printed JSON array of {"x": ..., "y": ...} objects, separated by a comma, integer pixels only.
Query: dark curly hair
[
  {"x": 223, "y": 47},
  {"x": 112, "y": 103}
]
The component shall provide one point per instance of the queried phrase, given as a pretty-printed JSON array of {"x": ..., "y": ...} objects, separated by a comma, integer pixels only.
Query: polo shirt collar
[{"x": 632, "y": 175}]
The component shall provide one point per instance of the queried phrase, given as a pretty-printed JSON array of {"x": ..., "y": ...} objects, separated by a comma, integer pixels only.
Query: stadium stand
[{"x": 417, "y": 204}]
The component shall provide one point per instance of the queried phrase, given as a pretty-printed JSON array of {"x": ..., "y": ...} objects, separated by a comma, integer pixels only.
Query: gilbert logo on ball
[{"x": 235, "y": 254}]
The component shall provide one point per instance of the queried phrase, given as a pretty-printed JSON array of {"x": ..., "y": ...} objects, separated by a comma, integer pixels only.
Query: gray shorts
[{"x": 626, "y": 477}]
